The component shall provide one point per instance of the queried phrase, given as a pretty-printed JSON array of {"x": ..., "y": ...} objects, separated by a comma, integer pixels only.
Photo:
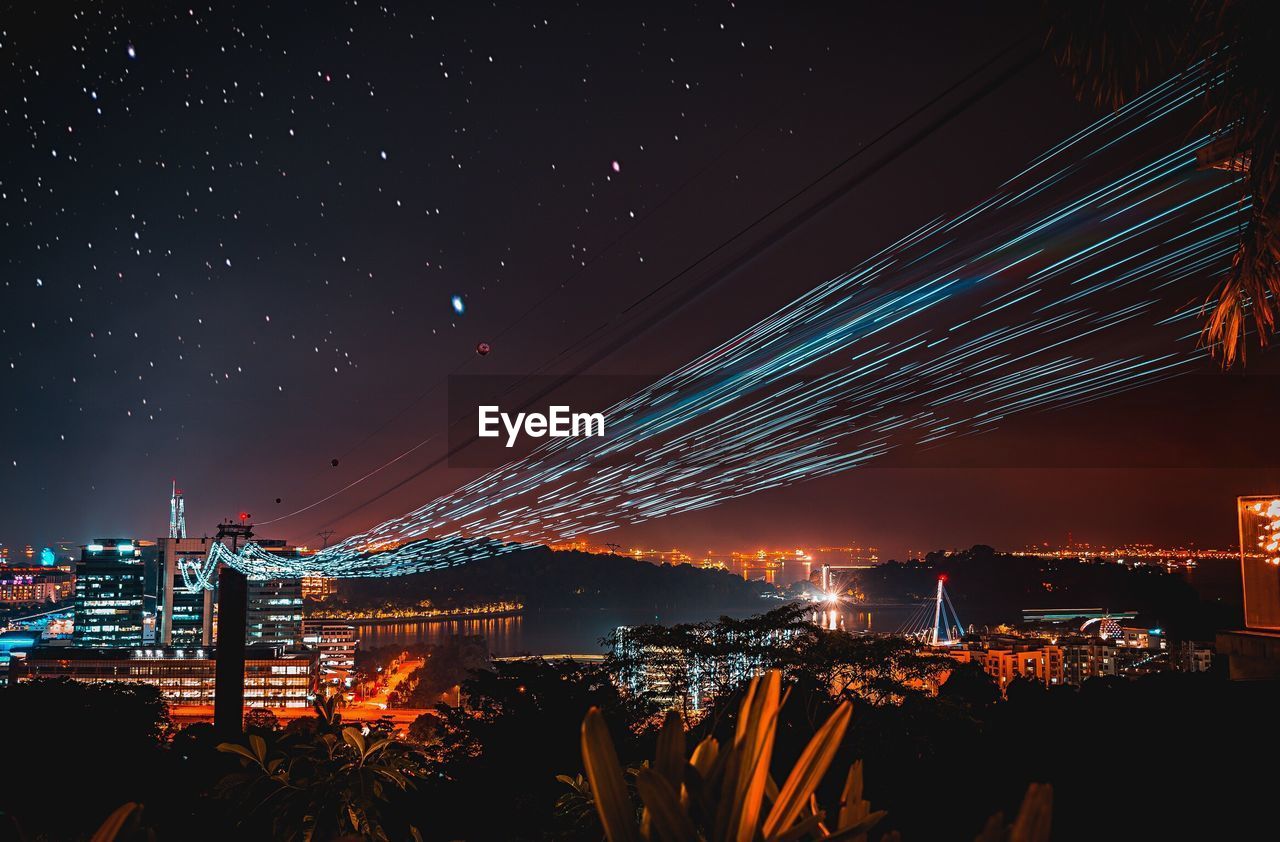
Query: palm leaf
[
  {"x": 808, "y": 772},
  {"x": 110, "y": 828},
  {"x": 753, "y": 749},
  {"x": 1035, "y": 817},
  {"x": 667, "y": 819},
  {"x": 849, "y": 834},
  {"x": 601, "y": 761},
  {"x": 235, "y": 748},
  {"x": 669, "y": 760},
  {"x": 852, "y": 806}
]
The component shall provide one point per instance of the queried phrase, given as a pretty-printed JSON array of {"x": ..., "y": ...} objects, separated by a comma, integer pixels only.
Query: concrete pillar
[{"x": 233, "y": 609}]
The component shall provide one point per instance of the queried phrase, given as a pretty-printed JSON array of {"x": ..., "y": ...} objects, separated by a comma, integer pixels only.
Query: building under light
[
  {"x": 335, "y": 643},
  {"x": 1088, "y": 658},
  {"x": 109, "y": 602},
  {"x": 272, "y": 678},
  {"x": 275, "y": 612},
  {"x": 318, "y": 588},
  {"x": 677, "y": 678},
  {"x": 1042, "y": 663},
  {"x": 186, "y": 609},
  {"x": 34, "y": 585}
]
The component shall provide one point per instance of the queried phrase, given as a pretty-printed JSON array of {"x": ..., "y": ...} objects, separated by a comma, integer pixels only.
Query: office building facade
[
  {"x": 272, "y": 678},
  {"x": 186, "y": 610},
  {"x": 109, "y": 594},
  {"x": 275, "y": 612},
  {"x": 335, "y": 643},
  {"x": 34, "y": 585}
]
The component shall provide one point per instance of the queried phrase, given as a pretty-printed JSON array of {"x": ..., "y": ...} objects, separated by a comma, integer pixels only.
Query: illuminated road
[
  {"x": 379, "y": 702},
  {"x": 370, "y": 710}
]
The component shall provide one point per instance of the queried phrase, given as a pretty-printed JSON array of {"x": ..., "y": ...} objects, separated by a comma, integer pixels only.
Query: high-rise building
[
  {"x": 109, "y": 594},
  {"x": 1087, "y": 658},
  {"x": 275, "y": 612},
  {"x": 335, "y": 643},
  {"x": 1040, "y": 662},
  {"x": 686, "y": 679},
  {"x": 186, "y": 607}
]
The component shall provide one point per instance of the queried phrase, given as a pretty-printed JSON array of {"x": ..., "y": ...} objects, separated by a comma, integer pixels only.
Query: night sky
[{"x": 231, "y": 239}]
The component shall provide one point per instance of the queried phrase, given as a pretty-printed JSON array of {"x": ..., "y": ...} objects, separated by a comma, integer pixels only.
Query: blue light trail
[{"x": 1051, "y": 293}]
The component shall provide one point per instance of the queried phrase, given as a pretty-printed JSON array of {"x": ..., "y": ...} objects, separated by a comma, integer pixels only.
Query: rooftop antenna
[
  {"x": 236, "y": 531},
  {"x": 177, "y": 513}
]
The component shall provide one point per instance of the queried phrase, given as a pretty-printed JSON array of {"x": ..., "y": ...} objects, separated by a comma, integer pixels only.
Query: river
[{"x": 575, "y": 632}]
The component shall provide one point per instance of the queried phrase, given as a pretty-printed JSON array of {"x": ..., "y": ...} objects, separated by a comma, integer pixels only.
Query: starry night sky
[{"x": 231, "y": 239}]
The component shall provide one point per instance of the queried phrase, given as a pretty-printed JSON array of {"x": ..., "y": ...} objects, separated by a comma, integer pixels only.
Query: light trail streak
[{"x": 1032, "y": 300}]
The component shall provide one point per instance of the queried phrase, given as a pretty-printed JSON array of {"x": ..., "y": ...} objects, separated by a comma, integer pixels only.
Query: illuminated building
[
  {"x": 1194, "y": 657},
  {"x": 34, "y": 585},
  {"x": 318, "y": 588},
  {"x": 1108, "y": 628},
  {"x": 272, "y": 678},
  {"x": 109, "y": 594},
  {"x": 1042, "y": 663},
  {"x": 1087, "y": 659},
  {"x": 335, "y": 644},
  {"x": 13, "y": 644},
  {"x": 186, "y": 609},
  {"x": 674, "y": 677},
  {"x": 275, "y": 612},
  {"x": 1141, "y": 637}
]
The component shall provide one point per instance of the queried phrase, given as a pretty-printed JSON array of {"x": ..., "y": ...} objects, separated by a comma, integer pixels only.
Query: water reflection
[
  {"x": 530, "y": 633},
  {"x": 882, "y": 619},
  {"x": 580, "y": 632},
  {"x": 774, "y": 571},
  {"x": 503, "y": 633}
]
